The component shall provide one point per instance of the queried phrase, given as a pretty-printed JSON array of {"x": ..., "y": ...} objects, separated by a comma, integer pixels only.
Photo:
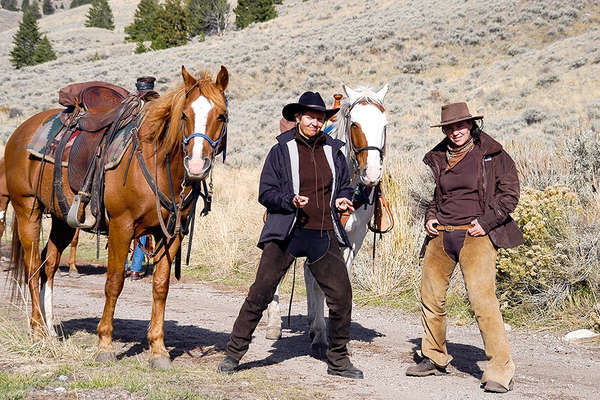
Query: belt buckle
[{"x": 449, "y": 228}]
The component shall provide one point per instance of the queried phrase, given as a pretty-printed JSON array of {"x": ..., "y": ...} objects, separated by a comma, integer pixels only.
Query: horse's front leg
[
  {"x": 274, "y": 318},
  {"x": 317, "y": 329},
  {"x": 160, "y": 288},
  {"x": 119, "y": 237}
]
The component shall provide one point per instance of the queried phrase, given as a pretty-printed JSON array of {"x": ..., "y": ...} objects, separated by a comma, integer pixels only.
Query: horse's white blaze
[
  {"x": 47, "y": 307},
  {"x": 201, "y": 107},
  {"x": 372, "y": 122}
]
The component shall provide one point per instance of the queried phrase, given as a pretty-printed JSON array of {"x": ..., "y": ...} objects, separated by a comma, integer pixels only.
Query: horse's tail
[{"x": 16, "y": 275}]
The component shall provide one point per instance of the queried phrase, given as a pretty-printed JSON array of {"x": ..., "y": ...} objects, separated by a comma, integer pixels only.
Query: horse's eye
[{"x": 221, "y": 117}]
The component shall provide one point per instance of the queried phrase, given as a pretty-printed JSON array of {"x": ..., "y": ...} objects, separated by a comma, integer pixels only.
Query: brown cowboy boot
[{"x": 425, "y": 368}]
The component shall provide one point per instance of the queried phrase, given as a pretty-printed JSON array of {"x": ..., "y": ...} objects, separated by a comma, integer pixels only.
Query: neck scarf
[{"x": 455, "y": 154}]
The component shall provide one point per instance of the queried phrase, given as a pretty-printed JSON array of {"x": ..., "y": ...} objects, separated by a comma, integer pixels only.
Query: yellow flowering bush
[{"x": 545, "y": 218}]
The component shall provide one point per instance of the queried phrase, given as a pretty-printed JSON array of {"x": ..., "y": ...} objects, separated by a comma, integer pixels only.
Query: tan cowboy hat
[{"x": 456, "y": 112}]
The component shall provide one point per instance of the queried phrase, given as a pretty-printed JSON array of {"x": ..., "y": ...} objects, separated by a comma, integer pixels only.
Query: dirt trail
[{"x": 199, "y": 318}]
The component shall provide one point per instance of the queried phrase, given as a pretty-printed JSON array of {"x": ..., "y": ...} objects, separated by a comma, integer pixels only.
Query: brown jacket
[{"x": 498, "y": 186}]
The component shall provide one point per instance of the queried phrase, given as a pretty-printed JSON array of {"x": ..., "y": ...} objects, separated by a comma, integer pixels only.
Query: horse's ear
[
  {"x": 188, "y": 79},
  {"x": 381, "y": 94},
  {"x": 350, "y": 93},
  {"x": 222, "y": 78}
]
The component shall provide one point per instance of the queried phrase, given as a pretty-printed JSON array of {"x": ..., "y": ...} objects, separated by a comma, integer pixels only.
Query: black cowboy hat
[{"x": 308, "y": 101}]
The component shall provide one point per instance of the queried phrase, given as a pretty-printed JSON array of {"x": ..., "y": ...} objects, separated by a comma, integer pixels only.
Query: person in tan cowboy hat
[{"x": 477, "y": 188}]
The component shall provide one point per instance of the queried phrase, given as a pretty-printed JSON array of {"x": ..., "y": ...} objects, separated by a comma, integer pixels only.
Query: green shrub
[
  {"x": 77, "y": 3},
  {"x": 48, "y": 8},
  {"x": 526, "y": 274},
  {"x": 10, "y": 5}
]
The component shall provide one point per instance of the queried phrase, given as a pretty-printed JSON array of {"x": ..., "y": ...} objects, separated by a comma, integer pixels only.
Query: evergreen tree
[
  {"x": 35, "y": 9},
  {"x": 25, "y": 41},
  {"x": 48, "y": 8},
  {"x": 100, "y": 15},
  {"x": 24, "y": 5},
  {"x": 10, "y": 5},
  {"x": 77, "y": 3},
  {"x": 207, "y": 16},
  {"x": 171, "y": 28},
  {"x": 249, "y": 11},
  {"x": 43, "y": 51},
  {"x": 144, "y": 21}
]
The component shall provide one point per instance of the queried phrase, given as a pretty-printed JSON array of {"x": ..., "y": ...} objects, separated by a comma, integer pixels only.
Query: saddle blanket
[{"x": 45, "y": 140}]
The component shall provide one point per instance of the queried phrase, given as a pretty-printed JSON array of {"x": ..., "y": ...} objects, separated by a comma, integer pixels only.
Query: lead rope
[
  {"x": 289, "y": 319},
  {"x": 375, "y": 202}
]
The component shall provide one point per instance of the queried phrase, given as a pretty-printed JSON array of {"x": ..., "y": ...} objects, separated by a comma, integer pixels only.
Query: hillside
[{"x": 529, "y": 66}]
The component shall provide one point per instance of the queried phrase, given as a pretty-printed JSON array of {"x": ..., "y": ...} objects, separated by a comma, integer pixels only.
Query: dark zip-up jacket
[
  {"x": 280, "y": 182},
  {"x": 498, "y": 188}
]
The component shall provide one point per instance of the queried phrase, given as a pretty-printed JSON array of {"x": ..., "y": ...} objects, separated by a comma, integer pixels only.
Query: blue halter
[{"x": 212, "y": 143}]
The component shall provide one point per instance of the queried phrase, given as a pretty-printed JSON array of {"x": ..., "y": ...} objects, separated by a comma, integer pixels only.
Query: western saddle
[{"x": 95, "y": 112}]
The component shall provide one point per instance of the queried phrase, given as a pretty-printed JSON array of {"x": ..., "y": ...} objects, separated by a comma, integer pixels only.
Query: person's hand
[
  {"x": 476, "y": 230},
  {"x": 300, "y": 201},
  {"x": 343, "y": 204},
  {"x": 429, "y": 227}
]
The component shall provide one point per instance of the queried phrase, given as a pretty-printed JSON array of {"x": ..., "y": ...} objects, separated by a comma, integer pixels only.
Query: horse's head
[
  {"x": 365, "y": 124},
  {"x": 205, "y": 111}
]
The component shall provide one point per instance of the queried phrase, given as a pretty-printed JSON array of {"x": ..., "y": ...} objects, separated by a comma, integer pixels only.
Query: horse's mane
[
  {"x": 341, "y": 124},
  {"x": 164, "y": 114}
]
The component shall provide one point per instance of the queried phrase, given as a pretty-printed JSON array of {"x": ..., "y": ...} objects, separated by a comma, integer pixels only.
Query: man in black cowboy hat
[{"x": 304, "y": 181}]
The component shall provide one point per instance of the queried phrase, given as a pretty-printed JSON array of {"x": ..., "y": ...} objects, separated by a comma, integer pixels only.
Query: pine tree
[
  {"x": 249, "y": 11},
  {"x": 207, "y": 16},
  {"x": 43, "y": 51},
  {"x": 48, "y": 8},
  {"x": 10, "y": 5},
  {"x": 171, "y": 28},
  {"x": 144, "y": 21},
  {"x": 25, "y": 41},
  {"x": 34, "y": 7},
  {"x": 77, "y": 3},
  {"x": 100, "y": 15}
]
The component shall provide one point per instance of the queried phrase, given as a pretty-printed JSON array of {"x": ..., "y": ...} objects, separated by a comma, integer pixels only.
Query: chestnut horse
[{"x": 174, "y": 145}]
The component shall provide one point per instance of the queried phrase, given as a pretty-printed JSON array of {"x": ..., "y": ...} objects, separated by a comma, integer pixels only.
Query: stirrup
[{"x": 72, "y": 216}]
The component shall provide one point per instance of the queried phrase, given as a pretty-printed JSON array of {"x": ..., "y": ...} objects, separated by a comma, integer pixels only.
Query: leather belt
[{"x": 450, "y": 228}]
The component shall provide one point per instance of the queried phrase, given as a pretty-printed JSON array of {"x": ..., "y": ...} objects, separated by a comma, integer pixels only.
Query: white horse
[{"x": 361, "y": 124}]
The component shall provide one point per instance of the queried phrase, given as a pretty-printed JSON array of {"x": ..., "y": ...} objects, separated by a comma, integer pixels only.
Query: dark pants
[{"x": 331, "y": 274}]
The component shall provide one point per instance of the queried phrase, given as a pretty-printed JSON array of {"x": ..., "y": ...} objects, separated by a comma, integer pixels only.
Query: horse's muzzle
[{"x": 197, "y": 174}]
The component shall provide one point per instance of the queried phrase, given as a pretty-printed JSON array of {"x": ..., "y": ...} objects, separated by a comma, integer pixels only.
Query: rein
[{"x": 173, "y": 225}]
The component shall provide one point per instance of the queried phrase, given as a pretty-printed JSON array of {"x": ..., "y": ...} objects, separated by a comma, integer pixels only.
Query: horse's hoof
[
  {"x": 106, "y": 357},
  {"x": 160, "y": 362},
  {"x": 318, "y": 351},
  {"x": 74, "y": 274},
  {"x": 273, "y": 333}
]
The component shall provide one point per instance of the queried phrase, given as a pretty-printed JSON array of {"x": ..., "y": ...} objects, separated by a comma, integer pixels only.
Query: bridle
[
  {"x": 213, "y": 143},
  {"x": 355, "y": 151}
]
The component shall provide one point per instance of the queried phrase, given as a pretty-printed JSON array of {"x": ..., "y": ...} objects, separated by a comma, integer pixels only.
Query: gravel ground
[{"x": 383, "y": 343}]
